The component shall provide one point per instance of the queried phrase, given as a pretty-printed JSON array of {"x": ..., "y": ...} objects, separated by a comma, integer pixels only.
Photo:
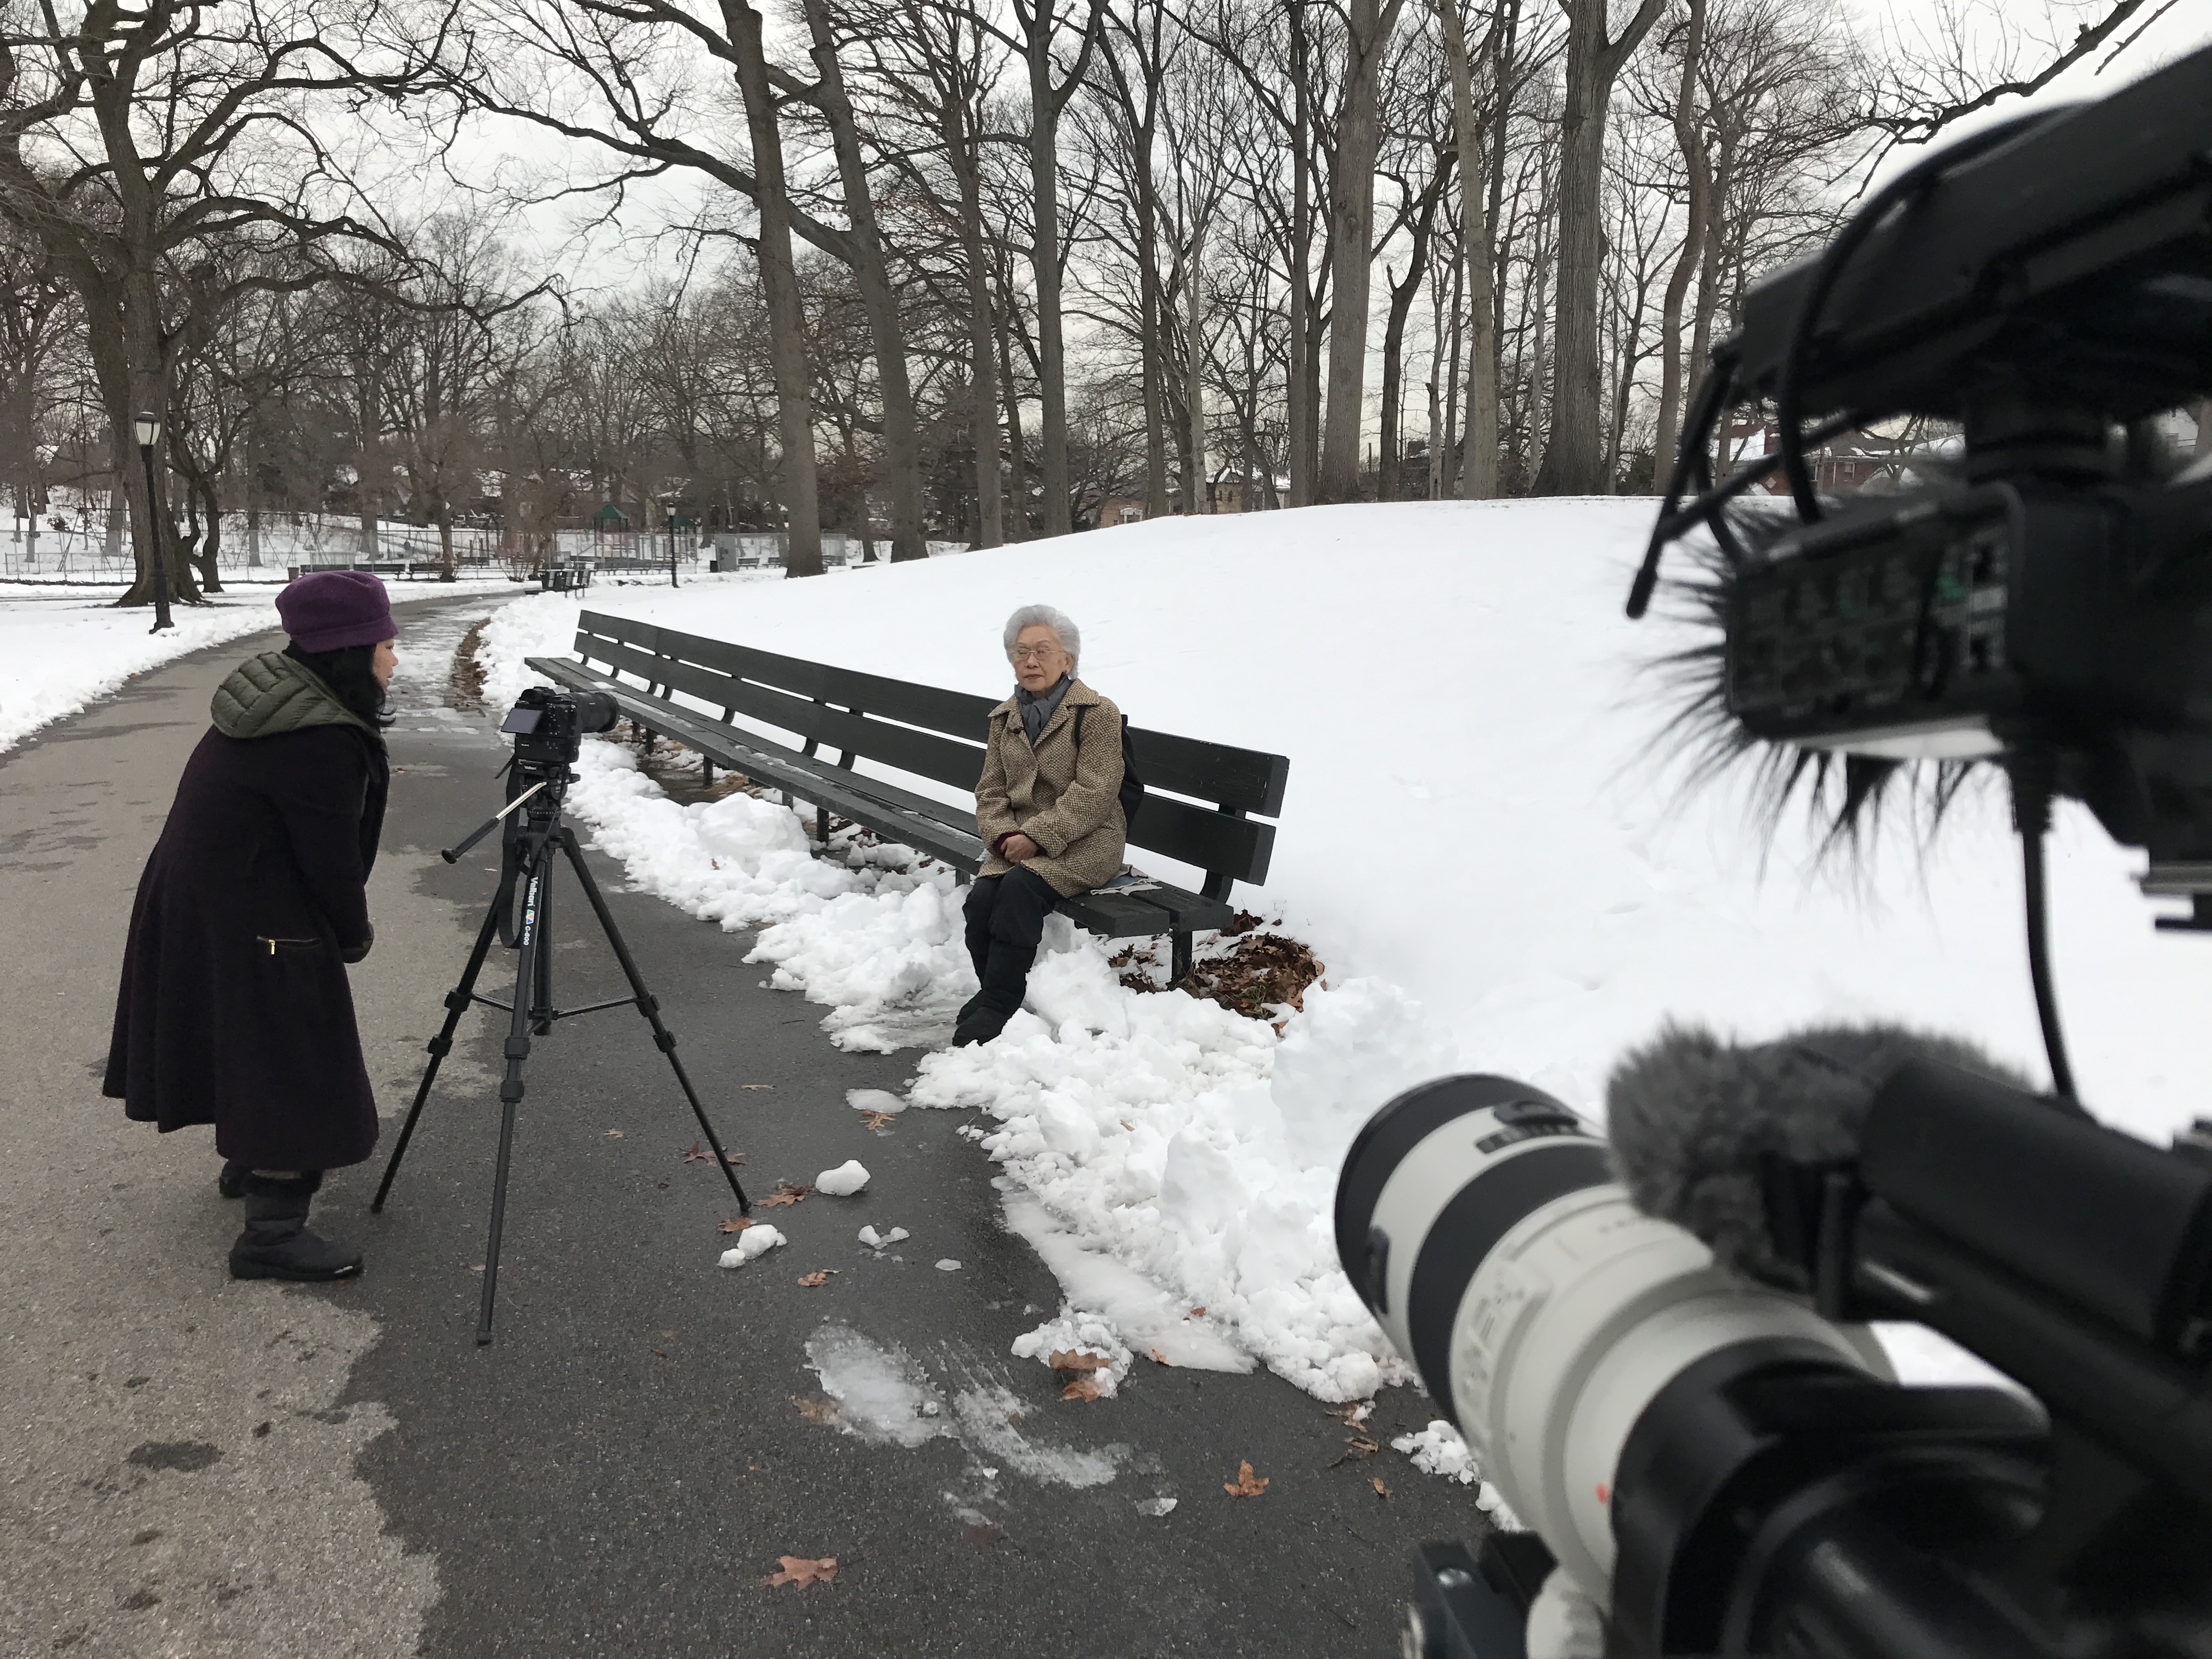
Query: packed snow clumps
[
  {"x": 1438, "y": 1450},
  {"x": 1079, "y": 1333},
  {"x": 757, "y": 1240},
  {"x": 844, "y": 1180}
]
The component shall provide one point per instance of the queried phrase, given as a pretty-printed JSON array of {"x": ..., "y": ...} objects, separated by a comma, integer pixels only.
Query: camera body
[{"x": 548, "y": 727}]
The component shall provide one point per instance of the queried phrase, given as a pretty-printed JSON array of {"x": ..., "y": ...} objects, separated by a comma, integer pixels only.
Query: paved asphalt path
[{"x": 196, "y": 1467}]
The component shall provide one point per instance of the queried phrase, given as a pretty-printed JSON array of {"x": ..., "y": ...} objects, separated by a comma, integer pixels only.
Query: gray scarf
[{"x": 1036, "y": 711}]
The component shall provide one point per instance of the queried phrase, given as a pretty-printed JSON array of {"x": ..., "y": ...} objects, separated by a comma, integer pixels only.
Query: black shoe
[
  {"x": 276, "y": 1243},
  {"x": 1005, "y": 981},
  {"x": 231, "y": 1183}
]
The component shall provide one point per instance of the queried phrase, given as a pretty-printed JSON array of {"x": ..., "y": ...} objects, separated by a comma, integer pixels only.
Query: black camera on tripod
[
  {"x": 1659, "y": 1348},
  {"x": 548, "y": 727}
]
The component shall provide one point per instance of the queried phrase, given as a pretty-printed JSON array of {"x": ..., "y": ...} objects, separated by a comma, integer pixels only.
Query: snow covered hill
[{"x": 1483, "y": 838}]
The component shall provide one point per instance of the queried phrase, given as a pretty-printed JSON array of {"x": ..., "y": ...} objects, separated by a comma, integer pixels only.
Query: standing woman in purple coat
[{"x": 235, "y": 1008}]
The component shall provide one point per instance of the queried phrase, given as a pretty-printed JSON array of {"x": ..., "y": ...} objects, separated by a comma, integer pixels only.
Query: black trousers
[{"x": 1010, "y": 908}]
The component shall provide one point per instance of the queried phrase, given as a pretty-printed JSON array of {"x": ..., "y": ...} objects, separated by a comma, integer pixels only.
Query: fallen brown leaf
[
  {"x": 1159, "y": 1359},
  {"x": 877, "y": 1120},
  {"x": 729, "y": 1156},
  {"x": 1126, "y": 1124},
  {"x": 786, "y": 1192},
  {"x": 797, "y": 1569},
  {"x": 1081, "y": 1389},
  {"x": 1076, "y": 1360},
  {"x": 694, "y": 1153},
  {"x": 1196, "y": 1313},
  {"x": 614, "y": 1135},
  {"x": 1246, "y": 1484},
  {"x": 816, "y": 1279},
  {"x": 1381, "y": 1490},
  {"x": 817, "y": 1408},
  {"x": 736, "y": 1223},
  {"x": 1358, "y": 1443}
]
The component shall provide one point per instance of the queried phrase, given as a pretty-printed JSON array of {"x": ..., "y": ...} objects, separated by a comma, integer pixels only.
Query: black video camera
[
  {"x": 1659, "y": 1349},
  {"x": 548, "y": 727}
]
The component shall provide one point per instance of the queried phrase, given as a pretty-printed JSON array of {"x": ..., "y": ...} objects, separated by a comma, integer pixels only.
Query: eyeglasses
[{"x": 1038, "y": 652}]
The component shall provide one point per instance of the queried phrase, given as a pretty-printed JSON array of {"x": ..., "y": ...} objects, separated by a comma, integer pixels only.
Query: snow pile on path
[
  {"x": 1437, "y": 1450},
  {"x": 844, "y": 1180},
  {"x": 1079, "y": 1334},
  {"x": 757, "y": 1240},
  {"x": 1481, "y": 840},
  {"x": 60, "y": 649}
]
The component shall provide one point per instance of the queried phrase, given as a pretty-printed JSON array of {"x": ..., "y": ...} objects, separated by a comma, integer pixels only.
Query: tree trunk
[
  {"x": 1574, "y": 462},
  {"x": 1299, "y": 410},
  {"x": 1198, "y": 488},
  {"x": 1394, "y": 337},
  {"x": 1448, "y": 469},
  {"x": 963, "y": 148},
  {"x": 1692, "y": 145},
  {"x": 901, "y": 459},
  {"x": 1052, "y": 354},
  {"x": 1477, "y": 473},
  {"x": 1352, "y": 216},
  {"x": 1149, "y": 329},
  {"x": 786, "y": 325},
  {"x": 1017, "y": 473}
]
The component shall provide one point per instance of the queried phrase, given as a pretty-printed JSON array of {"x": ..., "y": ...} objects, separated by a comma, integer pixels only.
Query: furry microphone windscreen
[
  {"x": 1691, "y": 1117},
  {"x": 1843, "y": 794}
]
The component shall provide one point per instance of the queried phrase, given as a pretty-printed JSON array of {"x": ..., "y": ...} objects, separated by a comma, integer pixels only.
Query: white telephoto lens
[{"x": 1479, "y": 1218}]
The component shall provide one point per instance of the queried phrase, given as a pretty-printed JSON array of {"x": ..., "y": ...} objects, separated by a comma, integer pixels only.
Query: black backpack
[{"x": 1132, "y": 791}]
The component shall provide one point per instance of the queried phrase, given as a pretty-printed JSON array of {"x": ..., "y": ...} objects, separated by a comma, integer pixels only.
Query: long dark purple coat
[{"x": 235, "y": 1008}]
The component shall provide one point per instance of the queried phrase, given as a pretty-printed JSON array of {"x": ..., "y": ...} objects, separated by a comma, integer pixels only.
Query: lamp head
[{"x": 149, "y": 428}]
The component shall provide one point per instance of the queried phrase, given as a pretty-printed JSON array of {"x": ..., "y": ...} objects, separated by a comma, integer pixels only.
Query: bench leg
[
  {"x": 822, "y": 824},
  {"x": 1178, "y": 956},
  {"x": 706, "y": 770}
]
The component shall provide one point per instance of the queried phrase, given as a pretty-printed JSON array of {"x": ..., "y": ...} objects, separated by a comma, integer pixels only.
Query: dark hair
[{"x": 349, "y": 673}]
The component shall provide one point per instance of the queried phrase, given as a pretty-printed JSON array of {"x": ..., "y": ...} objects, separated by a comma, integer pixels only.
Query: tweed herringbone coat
[{"x": 1063, "y": 796}]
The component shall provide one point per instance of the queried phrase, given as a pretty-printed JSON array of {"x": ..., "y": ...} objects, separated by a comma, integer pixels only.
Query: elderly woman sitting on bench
[{"x": 1047, "y": 806}]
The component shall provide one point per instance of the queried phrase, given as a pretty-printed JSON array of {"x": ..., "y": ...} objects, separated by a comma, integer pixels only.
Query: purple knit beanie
[{"x": 330, "y": 610}]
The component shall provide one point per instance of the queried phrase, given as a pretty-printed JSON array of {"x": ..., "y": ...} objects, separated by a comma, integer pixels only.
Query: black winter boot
[
  {"x": 231, "y": 1183},
  {"x": 979, "y": 952},
  {"x": 276, "y": 1243},
  {"x": 1006, "y": 979}
]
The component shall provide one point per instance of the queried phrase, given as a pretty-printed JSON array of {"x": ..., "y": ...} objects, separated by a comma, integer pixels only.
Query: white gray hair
[{"x": 1043, "y": 615}]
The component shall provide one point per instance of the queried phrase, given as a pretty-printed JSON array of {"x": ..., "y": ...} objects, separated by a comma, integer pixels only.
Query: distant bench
[{"x": 926, "y": 732}]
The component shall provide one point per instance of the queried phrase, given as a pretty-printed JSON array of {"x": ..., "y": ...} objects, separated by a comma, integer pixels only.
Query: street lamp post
[
  {"x": 149, "y": 434},
  {"x": 671, "y": 547}
]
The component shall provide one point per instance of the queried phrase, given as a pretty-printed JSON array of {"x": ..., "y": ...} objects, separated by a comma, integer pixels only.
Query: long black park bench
[{"x": 1203, "y": 801}]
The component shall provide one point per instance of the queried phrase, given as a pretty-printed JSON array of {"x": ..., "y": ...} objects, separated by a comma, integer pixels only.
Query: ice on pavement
[
  {"x": 885, "y": 1397},
  {"x": 844, "y": 1180},
  {"x": 756, "y": 1240},
  {"x": 876, "y": 1241},
  {"x": 949, "y": 1265},
  {"x": 1507, "y": 879},
  {"x": 1155, "y": 1506}
]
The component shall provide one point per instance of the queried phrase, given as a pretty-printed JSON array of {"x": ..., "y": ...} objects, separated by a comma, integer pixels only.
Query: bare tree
[
  {"x": 1574, "y": 459},
  {"x": 148, "y": 146}
]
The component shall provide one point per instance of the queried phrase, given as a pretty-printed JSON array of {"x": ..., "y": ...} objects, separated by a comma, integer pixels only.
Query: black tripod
[{"x": 527, "y": 841}]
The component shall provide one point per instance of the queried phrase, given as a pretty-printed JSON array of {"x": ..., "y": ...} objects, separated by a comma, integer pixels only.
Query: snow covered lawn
[
  {"x": 1484, "y": 839},
  {"x": 61, "y": 647}
]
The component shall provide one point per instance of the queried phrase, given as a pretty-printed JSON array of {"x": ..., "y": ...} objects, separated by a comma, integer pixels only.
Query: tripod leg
[
  {"x": 649, "y": 1006},
  {"x": 530, "y": 948},
  {"x": 457, "y": 1003}
]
